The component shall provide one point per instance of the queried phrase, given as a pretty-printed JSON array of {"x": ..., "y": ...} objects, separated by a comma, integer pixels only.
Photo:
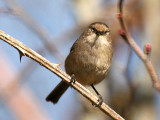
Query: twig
[
  {"x": 126, "y": 35},
  {"x": 58, "y": 71},
  {"x": 132, "y": 88},
  {"x": 26, "y": 18}
]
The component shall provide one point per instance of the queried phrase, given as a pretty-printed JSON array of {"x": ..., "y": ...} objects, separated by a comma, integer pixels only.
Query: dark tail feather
[{"x": 57, "y": 92}]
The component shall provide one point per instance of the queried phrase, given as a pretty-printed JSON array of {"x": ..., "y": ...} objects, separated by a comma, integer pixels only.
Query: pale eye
[{"x": 93, "y": 29}]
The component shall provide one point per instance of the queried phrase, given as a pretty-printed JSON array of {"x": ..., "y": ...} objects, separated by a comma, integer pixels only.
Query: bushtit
[{"x": 88, "y": 61}]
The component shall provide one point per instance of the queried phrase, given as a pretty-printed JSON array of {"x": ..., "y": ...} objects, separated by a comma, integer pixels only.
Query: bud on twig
[
  {"x": 121, "y": 32},
  {"x": 147, "y": 49},
  {"x": 119, "y": 15}
]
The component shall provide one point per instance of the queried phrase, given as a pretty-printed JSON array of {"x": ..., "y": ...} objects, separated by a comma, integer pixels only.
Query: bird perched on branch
[{"x": 89, "y": 60}]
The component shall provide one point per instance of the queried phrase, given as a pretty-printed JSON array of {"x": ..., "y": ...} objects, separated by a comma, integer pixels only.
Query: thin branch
[
  {"x": 26, "y": 18},
  {"x": 4, "y": 11},
  {"x": 132, "y": 87},
  {"x": 58, "y": 71},
  {"x": 126, "y": 35}
]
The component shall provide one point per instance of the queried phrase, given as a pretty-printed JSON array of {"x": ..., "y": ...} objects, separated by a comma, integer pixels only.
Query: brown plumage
[{"x": 89, "y": 59}]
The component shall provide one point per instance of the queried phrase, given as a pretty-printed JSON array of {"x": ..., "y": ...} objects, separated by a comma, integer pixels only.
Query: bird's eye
[
  {"x": 93, "y": 29},
  {"x": 98, "y": 32}
]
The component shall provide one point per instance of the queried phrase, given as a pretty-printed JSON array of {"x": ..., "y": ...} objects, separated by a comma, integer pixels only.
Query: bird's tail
[{"x": 57, "y": 92}]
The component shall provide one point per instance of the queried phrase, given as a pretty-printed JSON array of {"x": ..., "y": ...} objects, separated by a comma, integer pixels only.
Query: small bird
[{"x": 89, "y": 60}]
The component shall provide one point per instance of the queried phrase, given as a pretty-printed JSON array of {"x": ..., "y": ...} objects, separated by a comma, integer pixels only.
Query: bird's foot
[
  {"x": 73, "y": 79},
  {"x": 100, "y": 101}
]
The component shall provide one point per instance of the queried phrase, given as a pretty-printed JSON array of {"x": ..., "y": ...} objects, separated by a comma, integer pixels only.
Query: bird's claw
[
  {"x": 100, "y": 101},
  {"x": 73, "y": 79}
]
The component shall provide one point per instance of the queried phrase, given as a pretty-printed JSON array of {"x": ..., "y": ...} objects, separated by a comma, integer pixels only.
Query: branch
[
  {"x": 26, "y": 18},
  {"x": 144, "y": 57},
  {"x": 25, "y": 51}
]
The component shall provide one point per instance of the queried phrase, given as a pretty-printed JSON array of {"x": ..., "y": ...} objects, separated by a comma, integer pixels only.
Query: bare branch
[
  {"x": 126, "y": 35},
  {"x": 26, "y": 18},
  {"x": 58, "y": 71}
]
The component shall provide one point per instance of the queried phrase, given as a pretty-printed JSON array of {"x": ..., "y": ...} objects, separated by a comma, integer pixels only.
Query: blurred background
[{"x": 50, "y": 27}]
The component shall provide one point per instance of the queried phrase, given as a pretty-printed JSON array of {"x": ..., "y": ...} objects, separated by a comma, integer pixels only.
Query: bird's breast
[{"x": 90, "y": 63}]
